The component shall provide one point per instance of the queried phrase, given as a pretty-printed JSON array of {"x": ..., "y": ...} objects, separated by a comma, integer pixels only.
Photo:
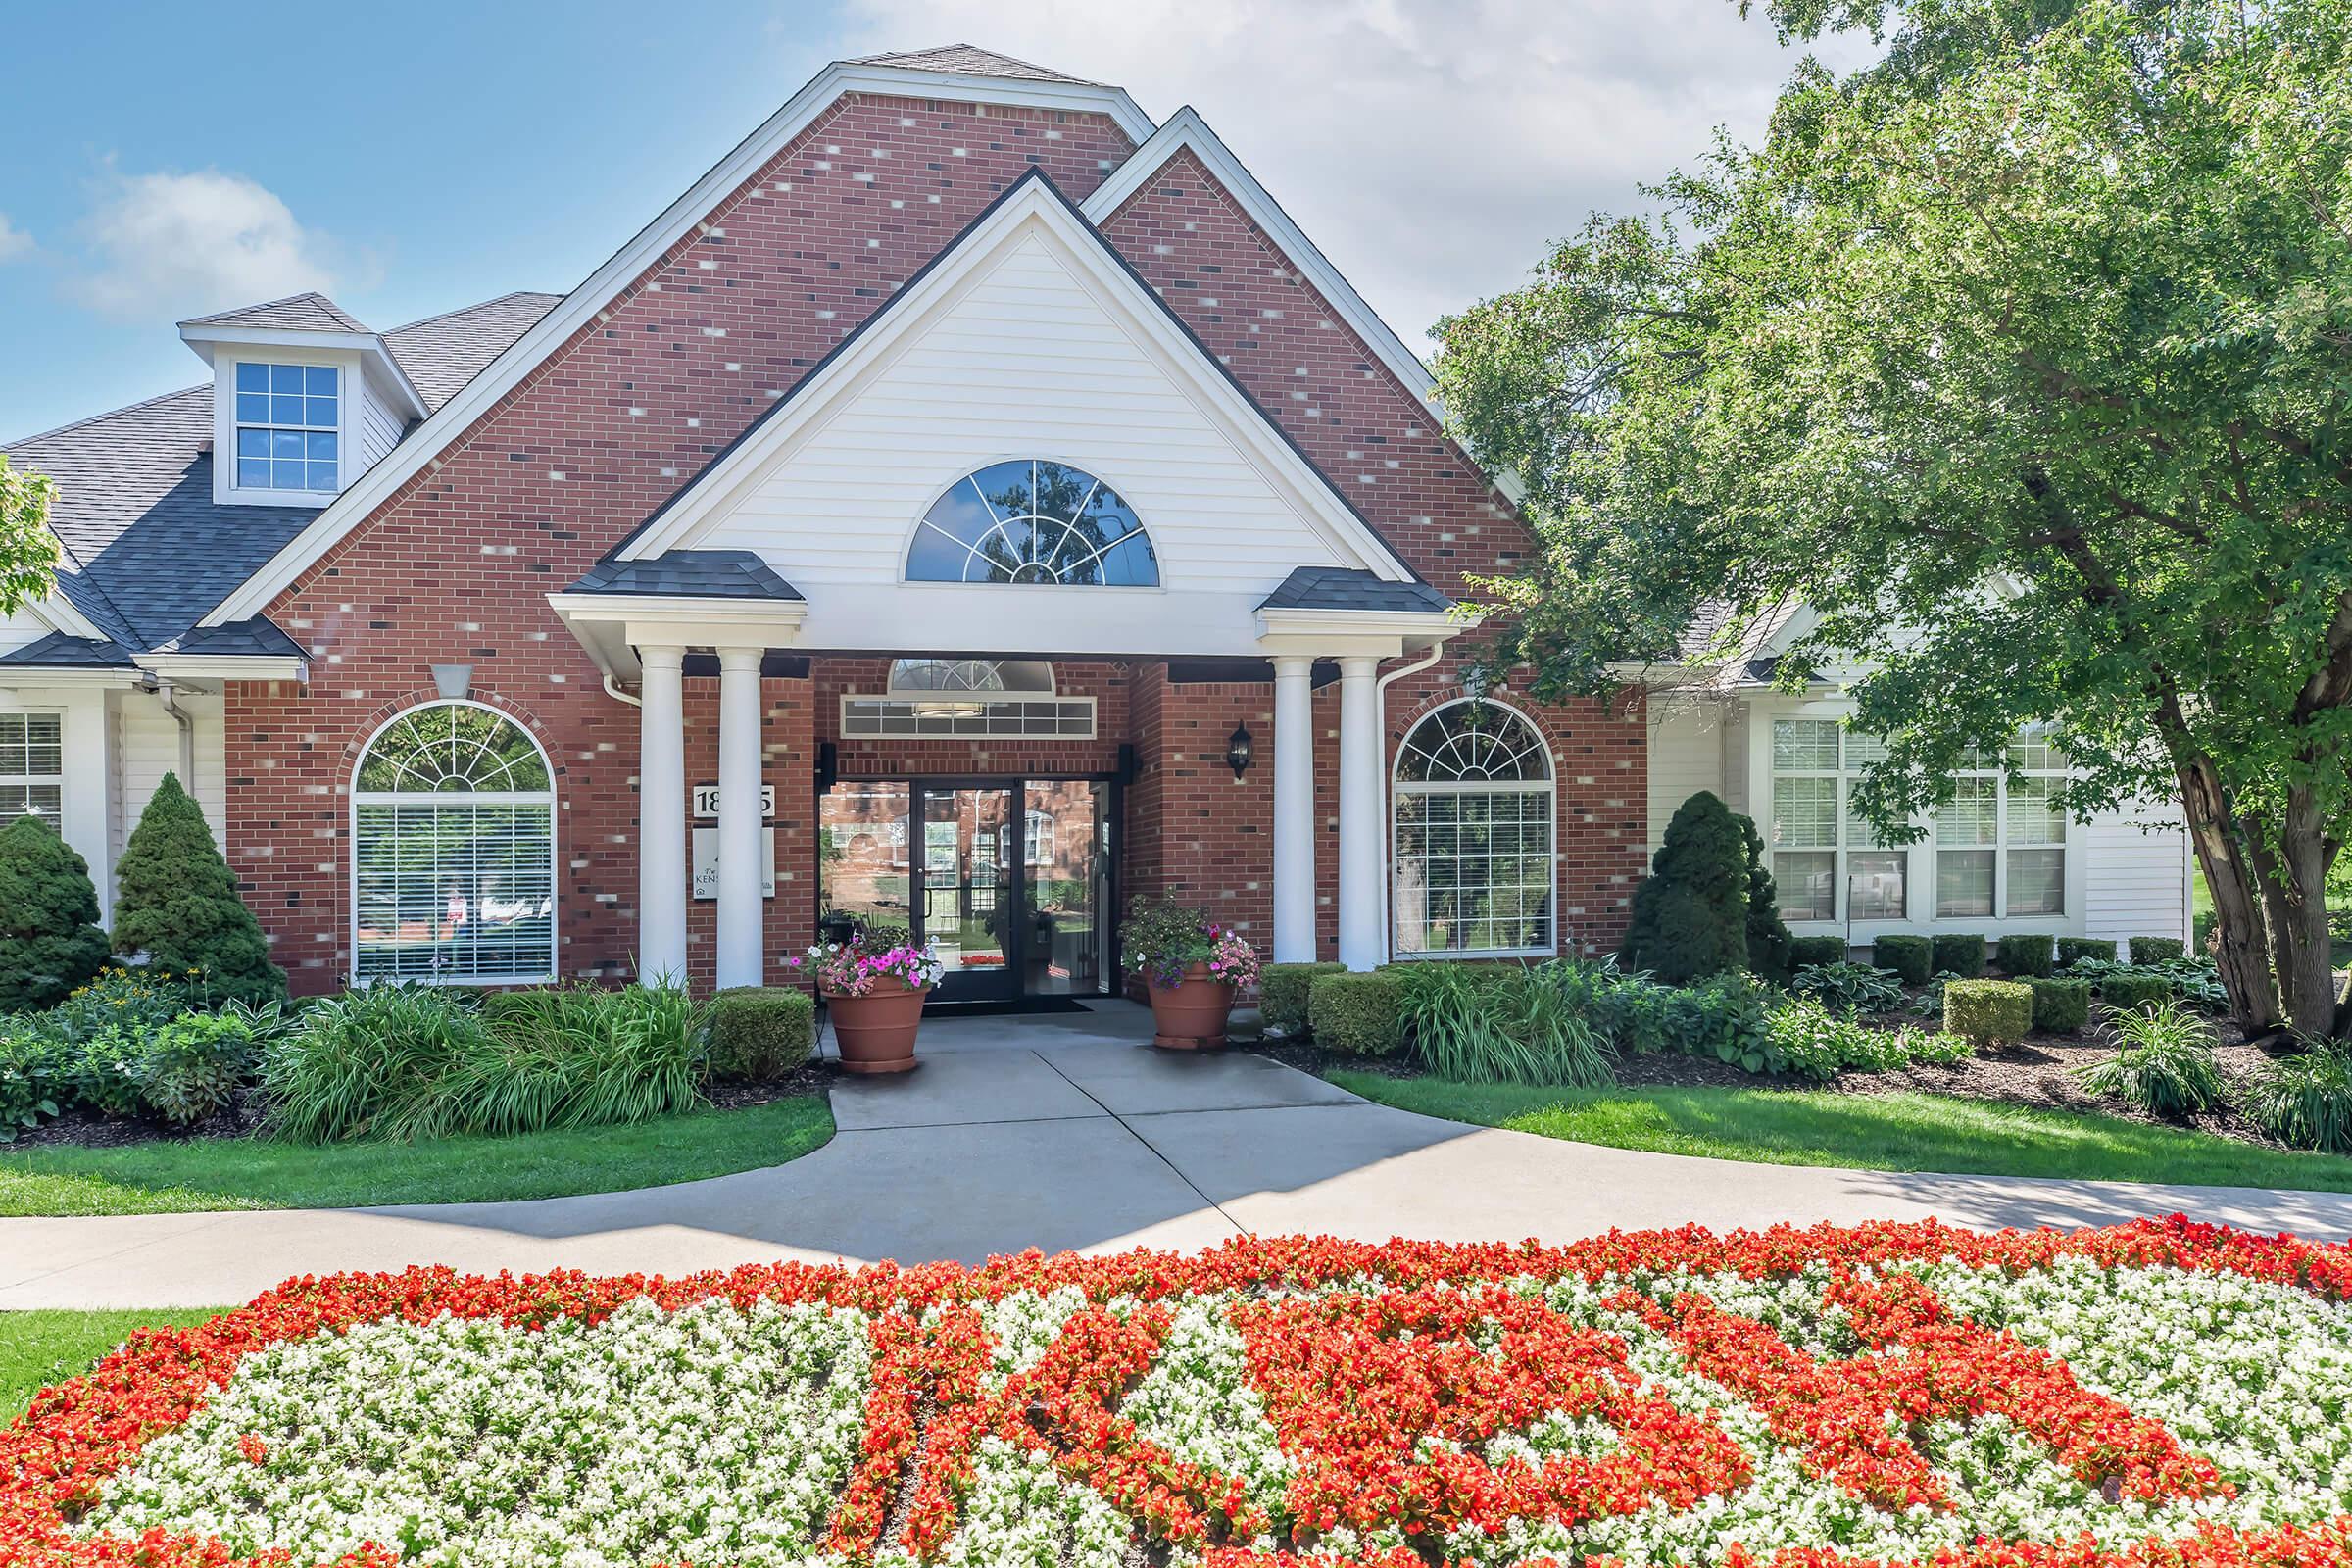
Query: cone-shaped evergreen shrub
[
  {"x": 1690, "y": 912},
  {"x": 1769, "y": 944},
  {"x": 49, "y": 937},
  {"x": 176, "y": 900}
]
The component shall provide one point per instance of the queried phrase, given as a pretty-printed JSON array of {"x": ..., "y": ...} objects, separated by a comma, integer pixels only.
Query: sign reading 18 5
[{"x": 705, "y": 800}]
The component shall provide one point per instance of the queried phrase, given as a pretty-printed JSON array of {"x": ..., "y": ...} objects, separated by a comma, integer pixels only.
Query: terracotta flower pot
[
  {"x": 1191, "y": 1014},
  {"x": 876, "y": 1031}
]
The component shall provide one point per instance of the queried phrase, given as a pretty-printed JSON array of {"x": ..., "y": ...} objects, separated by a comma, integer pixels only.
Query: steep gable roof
[
  {"x": 312, "y": 311},
  {"x": 968, "y": 60}
]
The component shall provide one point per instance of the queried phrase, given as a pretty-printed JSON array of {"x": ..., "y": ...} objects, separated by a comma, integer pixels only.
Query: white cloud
[
  {"x": 169, "y": 246},
  {"x": 1432, "y": 148},
  {"x": 14, "y": 243}
]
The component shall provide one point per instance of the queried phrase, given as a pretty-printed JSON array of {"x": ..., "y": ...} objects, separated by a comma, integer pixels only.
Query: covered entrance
[{"x": 1012, "y": 879}]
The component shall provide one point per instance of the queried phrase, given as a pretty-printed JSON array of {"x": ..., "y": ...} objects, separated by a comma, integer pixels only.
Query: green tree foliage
[
  {"x": 1769, "y": 944},
  {"x": 2024, "y": 358},
  {"x": 27, "y": 549},
  {"x": 1690, "y": 912},
  {"x": 49, "y": 937},
  {"x": 176, "y": 900}
]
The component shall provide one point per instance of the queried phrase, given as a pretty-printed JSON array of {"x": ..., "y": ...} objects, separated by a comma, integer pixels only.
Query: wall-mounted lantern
[{"x": 1238, "y": 750}]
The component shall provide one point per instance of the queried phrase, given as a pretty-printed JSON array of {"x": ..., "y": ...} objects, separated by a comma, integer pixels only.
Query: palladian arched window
[
  {"x": 1473, "y": 859},
  {"x": 1035, "y": 521},
  {"x": 453, "y": 850}
]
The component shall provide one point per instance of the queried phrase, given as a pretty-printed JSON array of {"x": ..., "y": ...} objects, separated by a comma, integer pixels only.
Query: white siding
[
  {"x": 2135, "y": 881},
  {"x": 147, "y": 747},
  {"x": 375, "y": 430},
  {"x": 1024, "y": 363},
  {"x": 1686, "y": 757},
  {"x": 19, "y": 627}
]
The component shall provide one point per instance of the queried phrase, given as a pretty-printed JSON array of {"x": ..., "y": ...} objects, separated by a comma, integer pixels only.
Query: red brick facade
[{"x": 456, "y": 566}]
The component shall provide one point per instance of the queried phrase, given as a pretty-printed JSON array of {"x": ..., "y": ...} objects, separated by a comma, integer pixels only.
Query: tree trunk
[
  {"x": 2239, "y": 928},
  {"x": 2306, "y": 972}
]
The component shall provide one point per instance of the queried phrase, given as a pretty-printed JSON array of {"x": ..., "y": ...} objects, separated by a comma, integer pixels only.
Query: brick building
[{"x": 969, "y": 505}]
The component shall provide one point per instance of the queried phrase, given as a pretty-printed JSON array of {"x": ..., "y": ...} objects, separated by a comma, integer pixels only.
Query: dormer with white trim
[{"x": 304, "y": 400}]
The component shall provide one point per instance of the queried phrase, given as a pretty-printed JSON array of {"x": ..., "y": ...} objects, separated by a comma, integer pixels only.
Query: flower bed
[{"x": 2166, "y": 1395}]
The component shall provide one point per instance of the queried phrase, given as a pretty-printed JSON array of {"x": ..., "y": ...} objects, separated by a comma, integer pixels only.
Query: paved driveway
[{"x": 1069, "y": 1132}]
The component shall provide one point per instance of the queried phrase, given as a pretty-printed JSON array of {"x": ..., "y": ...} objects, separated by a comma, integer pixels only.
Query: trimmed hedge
[
  {"x": 2060, "y": 1007},
  {"x": 1363, "y": 1014},
  {"x": 1282, "y": 990},
  {"x": 1988, "y": 1011},
  {"x": 2127, "y": 993},
  {"x": 1912, "y": 959},
  {"x": 2023, "y": 957},
  {"x": 760, "y": 1032},
  {"x": 1805, "y": 952},
  {"x": 2072, "y": 948},
  {"x": 1960, "y": 955},
  {"x": 2157, "y": 950}
]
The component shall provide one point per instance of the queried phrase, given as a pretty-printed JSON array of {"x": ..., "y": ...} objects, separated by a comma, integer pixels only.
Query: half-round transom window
[
  {"x": 924, "y": 675},
  {"x": 1032, "y": 521},
  {"x": 1473, "y": 823},
  {"x": 453, "y": 850}
]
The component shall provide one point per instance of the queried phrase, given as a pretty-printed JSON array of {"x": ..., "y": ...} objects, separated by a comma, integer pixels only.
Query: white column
[
  {"x": 741, "y": 913},
  {"x": 1363, "y": 942},
  {"x": 1294, "y": 809},
  {"x": 662, "y": 817}
]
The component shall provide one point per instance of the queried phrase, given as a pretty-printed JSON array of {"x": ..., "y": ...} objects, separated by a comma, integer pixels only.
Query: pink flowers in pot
[{"x": 852, "y": 968}]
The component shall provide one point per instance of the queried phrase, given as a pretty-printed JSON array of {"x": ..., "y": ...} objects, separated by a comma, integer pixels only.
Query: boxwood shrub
[
  {"x": 1363, "y": 1014},
  {"x": 1960, "y": 955},
  {"x": 1282, "y": 992},
  {"x": 2156, "y": 949},
  {"x": 2022, "y": 957},
  {"x": 2072, "y": 948},
  {"x": 1912, "y": 959},
  {"x": 760, "y": 1032},
  {"x": 1988, "y": 1011},
  {"x": 1806, "y": 952},
  {"x": 2060, "y": 1007},
  {"x": 2129, "y": 993}
]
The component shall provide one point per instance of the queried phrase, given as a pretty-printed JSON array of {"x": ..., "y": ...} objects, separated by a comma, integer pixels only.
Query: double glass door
[{"x": 1010, "y": 880}]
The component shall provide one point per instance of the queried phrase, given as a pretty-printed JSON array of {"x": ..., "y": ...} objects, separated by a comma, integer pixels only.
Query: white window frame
[
  {"x": 352, "y": 387},
  {"x": 31, "y": 780},
  {"x": 1398, "y": 788},
  {"x": 2005, "y": 842},
  {"x": 547, "y": 797}
]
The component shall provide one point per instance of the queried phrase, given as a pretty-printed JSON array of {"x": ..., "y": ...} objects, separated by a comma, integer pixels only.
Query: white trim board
[{"x": 580, "y": 307}]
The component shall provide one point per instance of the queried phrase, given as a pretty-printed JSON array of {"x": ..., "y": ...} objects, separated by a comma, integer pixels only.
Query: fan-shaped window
[
  {"x": 971, "y": 675},
  {"x": 453, "y": 850},
  {"x": 1034, "y": 522},
  {"x": 1473, "y": 860}
]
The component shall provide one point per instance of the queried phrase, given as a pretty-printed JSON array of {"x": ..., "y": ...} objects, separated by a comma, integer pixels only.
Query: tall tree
[
  {"x": 27, "y": 549},
  {"x": 2025, "y": 358}
]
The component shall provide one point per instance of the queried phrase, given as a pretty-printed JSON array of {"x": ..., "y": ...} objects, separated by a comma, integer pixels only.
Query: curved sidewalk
[{"x": 1066, "y": 1137}]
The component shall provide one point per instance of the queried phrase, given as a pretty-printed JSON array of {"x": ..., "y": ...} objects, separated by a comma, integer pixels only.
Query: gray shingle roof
[
  {"x": 690, "y": 574},
  {"x": 257, "y": 635},
  {"x": 147, "y": 553},
  {"x": 1352, "y": 588},
  {"x": 296, "y": 313},
  {"x": 58, "y": 651},
  {"x": 969, "y": 60}
]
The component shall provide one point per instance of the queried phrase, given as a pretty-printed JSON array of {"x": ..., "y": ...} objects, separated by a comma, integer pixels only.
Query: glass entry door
[{"x": 968, "y": 899}]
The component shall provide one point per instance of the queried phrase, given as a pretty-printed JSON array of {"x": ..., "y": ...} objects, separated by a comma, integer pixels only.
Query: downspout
[
  {"x": 169, "y": 698},
  {"x": 1388, "y": 820},
  {"x": 612, "y": 689}
]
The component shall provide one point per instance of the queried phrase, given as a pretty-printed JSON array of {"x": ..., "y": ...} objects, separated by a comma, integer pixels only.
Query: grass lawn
[
  {"x": 1865, "y": 1132},
  {"x": 164, "y": 1177},
  {"x": 39, "y": 1349}
]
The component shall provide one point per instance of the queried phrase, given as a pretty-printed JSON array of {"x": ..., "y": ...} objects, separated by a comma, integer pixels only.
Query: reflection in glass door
[
  {"x": 1066, "y": 849},
  {"x": 970, "y": 890}
]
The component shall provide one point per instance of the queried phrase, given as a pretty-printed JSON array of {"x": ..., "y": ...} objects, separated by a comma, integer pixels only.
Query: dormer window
[{"x": 289, "y": 424}]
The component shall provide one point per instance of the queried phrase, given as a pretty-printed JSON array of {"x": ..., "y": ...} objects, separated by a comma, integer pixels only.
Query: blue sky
[{"x": 418, "y": 155}]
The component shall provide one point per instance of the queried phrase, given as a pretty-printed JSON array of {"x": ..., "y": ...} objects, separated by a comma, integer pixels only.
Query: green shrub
[
  {"x": 364, "y": 1065},
  {"x": 1363, "y": 1014},
  {"x": 1957, "y": 954},
  {"x": 176, "y": 900},
  {"x": 2071, "y": 949},
  {"x": 1689, "y": 917},
  {"x": 1806, "y": 1040},
  {"x": 1988, "y": 1011},
  {"x": 760, "y": 1032},
  {"x": 2156, "y": 949},
  {"x": 1768, "y": 938},
  {"x": 2165, "y": 1066},
  {"x": 2133, "y": 993},
  {"x": 49, "y": 937},
  {"x": 192, "y": 1067},
  {"x": 1282, "y": 992},
  {"x": 1850, "y": 988},
  {"x": 577, "y": 1057},
  {"x": 2022, "y": 957},
  {"x": 1912, "y": 959},
  {"x": 137, "y": 999},
  {"x": 30, "y": 1089},
  {"x": 1808, "y": 951},
  {"x": 2060, "y": 1007},
  {"x": 2305, "y": 1102}
]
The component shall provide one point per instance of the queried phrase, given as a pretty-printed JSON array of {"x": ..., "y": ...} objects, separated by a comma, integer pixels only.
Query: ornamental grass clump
[
  {"x": 2166, "y": 1065},
  {"x": 367, "y": 1063},
  {"x": 2304, "y": 1100},
  {"x": 1503, "y": 1024}
]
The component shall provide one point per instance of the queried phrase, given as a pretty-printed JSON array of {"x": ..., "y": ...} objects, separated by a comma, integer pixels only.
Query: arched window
[
  {"x": 1032, "y": 520},
  {"x": 453, "y": 850},
  {"x": 1473, "y": 834},
  {"x": 922, "y": 677}
]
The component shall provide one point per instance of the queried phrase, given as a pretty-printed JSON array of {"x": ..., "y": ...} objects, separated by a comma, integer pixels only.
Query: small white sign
[
  {"x": 705, "y": 800},
  {"x": 705, "y": 863}
]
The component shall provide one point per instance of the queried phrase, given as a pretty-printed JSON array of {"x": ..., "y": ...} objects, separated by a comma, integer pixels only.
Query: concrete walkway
[{"x": 1069, "y": 1131}]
